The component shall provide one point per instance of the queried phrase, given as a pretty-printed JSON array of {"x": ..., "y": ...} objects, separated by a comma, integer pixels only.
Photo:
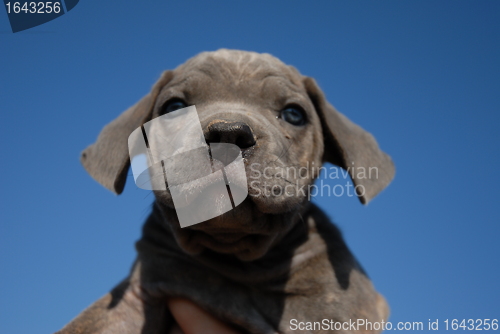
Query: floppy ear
[
  {"x": 107, "y": 160},
  {"x": 348, "y": 146}
]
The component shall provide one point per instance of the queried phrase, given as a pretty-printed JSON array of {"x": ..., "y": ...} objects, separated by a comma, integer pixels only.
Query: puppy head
[{"x": 283, "y": 126}]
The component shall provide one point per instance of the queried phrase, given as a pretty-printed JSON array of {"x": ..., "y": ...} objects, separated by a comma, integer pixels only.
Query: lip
[
  {"x": 227, "y": 238},
  {"x": 223, "y": 242},
  {"x": 224, "y": 236}
]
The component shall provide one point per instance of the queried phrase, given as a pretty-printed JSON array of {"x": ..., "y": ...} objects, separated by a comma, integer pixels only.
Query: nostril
[
  {"x": 237, "y": 133},
  {"x": 244, "y": 136},
  {"x": 212, "y": 137},
  {"x": 245, "y": 142}
]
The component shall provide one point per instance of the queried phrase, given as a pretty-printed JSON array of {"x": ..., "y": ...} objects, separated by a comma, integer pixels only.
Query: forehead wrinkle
[
  {"x": 176, "y": 81},
  {"x": 240, "y": 68},
  {"x": 259, "y": 74},
  {"x": 204, "y": 71},
  {"x": 283, "y": 81},
  {"x": 234, "y": 71},
  {"x": 242, "y": 65}
]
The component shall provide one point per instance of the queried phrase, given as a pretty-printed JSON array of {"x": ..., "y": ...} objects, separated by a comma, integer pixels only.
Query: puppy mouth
[
  {"x": 222, "y": 240},
  {"x": 228, "y": 229},
  {"x": 230, "y": 233},
  {"x": 228, "y": 242},
  {"x": 244, "y": 232},
  {"x": 228, "y": 238}
]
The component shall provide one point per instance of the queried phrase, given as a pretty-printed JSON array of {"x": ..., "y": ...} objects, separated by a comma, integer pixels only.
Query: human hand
[{"x": 192, "y": 319}]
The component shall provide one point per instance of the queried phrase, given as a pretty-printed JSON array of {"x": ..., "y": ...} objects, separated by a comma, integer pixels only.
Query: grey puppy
[{"x": 275, "y": 260}]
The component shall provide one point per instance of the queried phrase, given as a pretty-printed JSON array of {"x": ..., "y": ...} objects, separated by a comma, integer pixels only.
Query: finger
[
  {"x": 192, "y": 319},
  {"x": 175, "y": 330}
]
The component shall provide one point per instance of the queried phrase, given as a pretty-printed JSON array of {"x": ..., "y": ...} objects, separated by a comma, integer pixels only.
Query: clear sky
[{"x": 422, "y": 76}]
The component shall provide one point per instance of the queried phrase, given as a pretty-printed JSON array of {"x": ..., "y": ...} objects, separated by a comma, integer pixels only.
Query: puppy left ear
[
  {"x": 107, "y": 160},
  {"x": 348, "y": 146}
]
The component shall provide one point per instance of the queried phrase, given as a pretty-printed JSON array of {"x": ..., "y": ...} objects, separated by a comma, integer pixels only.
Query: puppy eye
[
  {"x": 173, "y": 105},
  {"x": 294, "y": 115}
]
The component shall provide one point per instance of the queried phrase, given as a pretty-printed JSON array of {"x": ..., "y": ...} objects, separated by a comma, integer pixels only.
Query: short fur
[{"x": 291, "y": 262}]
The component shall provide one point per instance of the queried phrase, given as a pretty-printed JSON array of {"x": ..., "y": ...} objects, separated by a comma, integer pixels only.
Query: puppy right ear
[
  {"x": 349, "y": 146},
  {"x": 107, "y": 160}
]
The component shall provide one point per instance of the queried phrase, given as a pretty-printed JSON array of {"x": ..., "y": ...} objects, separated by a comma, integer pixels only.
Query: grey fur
[{"x": 292, "y": 262}]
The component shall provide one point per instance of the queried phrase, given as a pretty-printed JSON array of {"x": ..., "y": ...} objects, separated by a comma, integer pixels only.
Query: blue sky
[{"x": 422, "y": 76}]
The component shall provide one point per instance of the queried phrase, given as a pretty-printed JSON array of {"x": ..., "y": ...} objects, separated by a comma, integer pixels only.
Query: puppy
[{"x": 275, "y": 260}]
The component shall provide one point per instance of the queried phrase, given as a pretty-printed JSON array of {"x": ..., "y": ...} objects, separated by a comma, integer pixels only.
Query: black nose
[{"x": 222, "y": 131}]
